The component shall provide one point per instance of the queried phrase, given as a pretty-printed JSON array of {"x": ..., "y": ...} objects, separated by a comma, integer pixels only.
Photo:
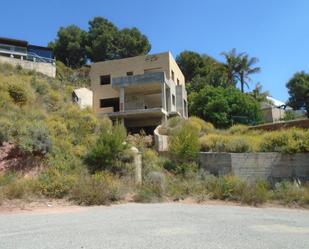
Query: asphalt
[{"x": 161, "y": 226}]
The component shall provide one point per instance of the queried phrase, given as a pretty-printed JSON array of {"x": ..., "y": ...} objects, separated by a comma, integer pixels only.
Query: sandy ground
[{"x": 62, "y": 205}]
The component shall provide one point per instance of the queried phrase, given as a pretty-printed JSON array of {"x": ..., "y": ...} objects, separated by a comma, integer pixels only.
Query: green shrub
[
  {"x": 183, "y": 187},
  {"x": 18, "y": 188},
  {"x": 55, "y": 184},
  {"x": 199, "y": 124},
  {"x": 18, "y": 93},
  {"x": 98, "y": 189},
  {"x": 214, "y": 143},
  {"x": 239, "y": 144},
  {"x": 227, "y": 187},
  {"x": 256, "y": 193},
  {"x": 238, "y": 129},
  {"x": 185, "y": 144},
  {"x": 151, "y": 162},
  {"x": 153, "y": 188},
  {"x": 35, "y": 138},
  {"x": 291, "y": 193},
  {"x": 107, "y": 150},
  {"x": 286, "y": 141},
  {"x": 5, "y": 126}
]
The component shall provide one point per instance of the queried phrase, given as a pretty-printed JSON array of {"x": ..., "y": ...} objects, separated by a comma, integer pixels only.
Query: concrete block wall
[
  {"x": 255, "y": 166},
  {"x": 44, "y": 68}
]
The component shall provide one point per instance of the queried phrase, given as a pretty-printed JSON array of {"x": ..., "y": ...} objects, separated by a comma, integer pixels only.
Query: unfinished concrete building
[{"x": 141, "y": 91}]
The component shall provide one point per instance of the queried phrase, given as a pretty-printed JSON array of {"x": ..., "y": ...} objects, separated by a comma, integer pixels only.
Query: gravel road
[{"x": 167, "y": 225}]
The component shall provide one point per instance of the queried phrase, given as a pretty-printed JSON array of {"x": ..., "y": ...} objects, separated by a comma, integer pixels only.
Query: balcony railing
[
  {"x": 146, "y": 78},
  {"x": 22, "y": 52}
]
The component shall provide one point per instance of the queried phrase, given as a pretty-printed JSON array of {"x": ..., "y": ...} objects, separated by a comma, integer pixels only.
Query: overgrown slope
[{"x": 36, "y": 115}]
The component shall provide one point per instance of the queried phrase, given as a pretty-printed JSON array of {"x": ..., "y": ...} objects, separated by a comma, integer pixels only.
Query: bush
[
  {"x": 98, "y": 189},
  {"x": 238, "y": 129},
  {"x": 153, "y": 188},
  {"x": 227, "y": 187},
  {"x": 256, "y": 193},
  {"x": 185, "y": 144},
  {"x": 5, "y": 126},
  {"x": 107, "y": 150},
  {"x": 151, "y": 162},
  {"x": 183, "y": 187},
  {"x": 214, "y": 143},
  {"x": 18, "y": 188},
  {"x": 291, "y": 193},
  {"x": 239, "y": 144},
  {"x": 287, "y": 141},
  {"x": 202, "y": 126},
  {"x": 18, "y": 94},
  {"x": 35, "y": 138},
  {"x": 55, "y": 184}
]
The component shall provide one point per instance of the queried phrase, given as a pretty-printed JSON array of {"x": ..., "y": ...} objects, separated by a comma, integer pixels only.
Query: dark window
[
  {"x": 129, "y": 73},
  {"x": 105, "y": 79},
  {"x": 173, "y": 75},
  {"x": 173, "y": 99},
  {"x": 177, "y": 81},
  {"x": 113, "y": 102}
]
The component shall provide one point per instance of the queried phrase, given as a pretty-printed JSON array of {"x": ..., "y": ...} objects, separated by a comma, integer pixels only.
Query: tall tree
[
  {"x": 101, "y": 40},
  {"x": 131, "y": 42},
  {"x": 240, "y": 67},
  {"x": 258, "y": 93},
  {"x": 298, "y": 87},
  {"x": 232, "y": 60},
  {"x": 69, "y": 47},
  {"x": 222, "y": 105},
  {"x": 246, "y": 68},
  {"x": 190, "y": 64},
  {"x": 107, "y": 42}
]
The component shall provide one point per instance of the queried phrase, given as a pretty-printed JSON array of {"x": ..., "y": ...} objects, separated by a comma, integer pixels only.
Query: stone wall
[
  {"x": 44, "y": 68},
  {"x": 254, "y": 166}
]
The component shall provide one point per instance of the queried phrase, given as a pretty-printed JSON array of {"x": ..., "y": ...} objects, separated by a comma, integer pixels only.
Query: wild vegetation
[{"x": 88, "y": 160}]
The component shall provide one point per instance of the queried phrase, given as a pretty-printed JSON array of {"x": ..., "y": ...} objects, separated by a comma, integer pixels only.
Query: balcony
[
  {"x": 141, "y": 79},
  {"x": 22, "y": 52}
]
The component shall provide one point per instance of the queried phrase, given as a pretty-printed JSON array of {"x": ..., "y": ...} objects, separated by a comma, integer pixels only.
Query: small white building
[
  {"x": 274, "y": 110},
  {"x": 83, "y": 97}
]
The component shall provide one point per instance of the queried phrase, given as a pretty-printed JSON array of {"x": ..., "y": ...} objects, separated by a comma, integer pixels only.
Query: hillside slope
[{"x": 37, "y": 118}]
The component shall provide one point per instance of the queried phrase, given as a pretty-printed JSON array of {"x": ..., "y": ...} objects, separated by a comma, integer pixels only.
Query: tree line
[
  {"x": 103, "y": 41},
  {"x": 205, "y": 76}
]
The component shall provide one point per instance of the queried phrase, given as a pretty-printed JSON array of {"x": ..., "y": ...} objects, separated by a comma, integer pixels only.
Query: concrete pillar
[
  {"x": 121, "y": 99},
  {"x": 137, "y": 160},
  {"x": 163, "y": 96}
]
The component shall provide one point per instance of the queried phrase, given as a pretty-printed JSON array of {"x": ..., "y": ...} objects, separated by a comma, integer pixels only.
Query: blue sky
[{"x": 275, "y": 31}]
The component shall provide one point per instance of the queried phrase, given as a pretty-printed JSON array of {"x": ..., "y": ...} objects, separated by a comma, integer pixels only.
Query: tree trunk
[{"x": 242, "y": 83}]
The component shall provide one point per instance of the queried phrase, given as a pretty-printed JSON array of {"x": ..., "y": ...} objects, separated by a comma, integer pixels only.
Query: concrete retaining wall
[
  {"x": 254, "y": 166},
  {"x": 44, "y": 68}
]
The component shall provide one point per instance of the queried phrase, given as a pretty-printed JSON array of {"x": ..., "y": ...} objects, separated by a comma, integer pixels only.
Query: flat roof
[
  {"x": 21, "y": 43},
  {"x": 132, "y": 57},
  {"x": 15, "y": 42}
]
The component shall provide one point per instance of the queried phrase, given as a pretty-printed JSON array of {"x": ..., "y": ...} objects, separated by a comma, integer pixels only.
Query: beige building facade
[{"x": 141, "y": 91}]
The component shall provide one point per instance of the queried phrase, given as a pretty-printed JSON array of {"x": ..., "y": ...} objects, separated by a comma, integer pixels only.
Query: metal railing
[{"x": 24, "y": 54}]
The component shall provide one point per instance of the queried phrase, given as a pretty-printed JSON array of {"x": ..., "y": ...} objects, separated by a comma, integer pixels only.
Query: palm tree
[
  {"x": 239, "y": 67},
  {"x": 258, "y": 93},
  {"x": 231, "y": 65},
  {"x": 245, "y": 69}
]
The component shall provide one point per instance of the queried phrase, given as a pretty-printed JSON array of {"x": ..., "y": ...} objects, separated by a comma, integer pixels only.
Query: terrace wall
[
  {"x": 44, "y": 68},
  {"x": 256, "y": 166}
]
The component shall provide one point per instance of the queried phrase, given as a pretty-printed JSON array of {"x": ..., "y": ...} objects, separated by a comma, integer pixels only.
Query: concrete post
[
  {"x": 121, "y": 99},
  {"x": 138, "y": 165},
  {"x": 163, "y": 96}
]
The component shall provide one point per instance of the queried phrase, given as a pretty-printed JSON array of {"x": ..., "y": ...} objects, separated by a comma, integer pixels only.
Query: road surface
[{"x": 168, "y": 225}]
